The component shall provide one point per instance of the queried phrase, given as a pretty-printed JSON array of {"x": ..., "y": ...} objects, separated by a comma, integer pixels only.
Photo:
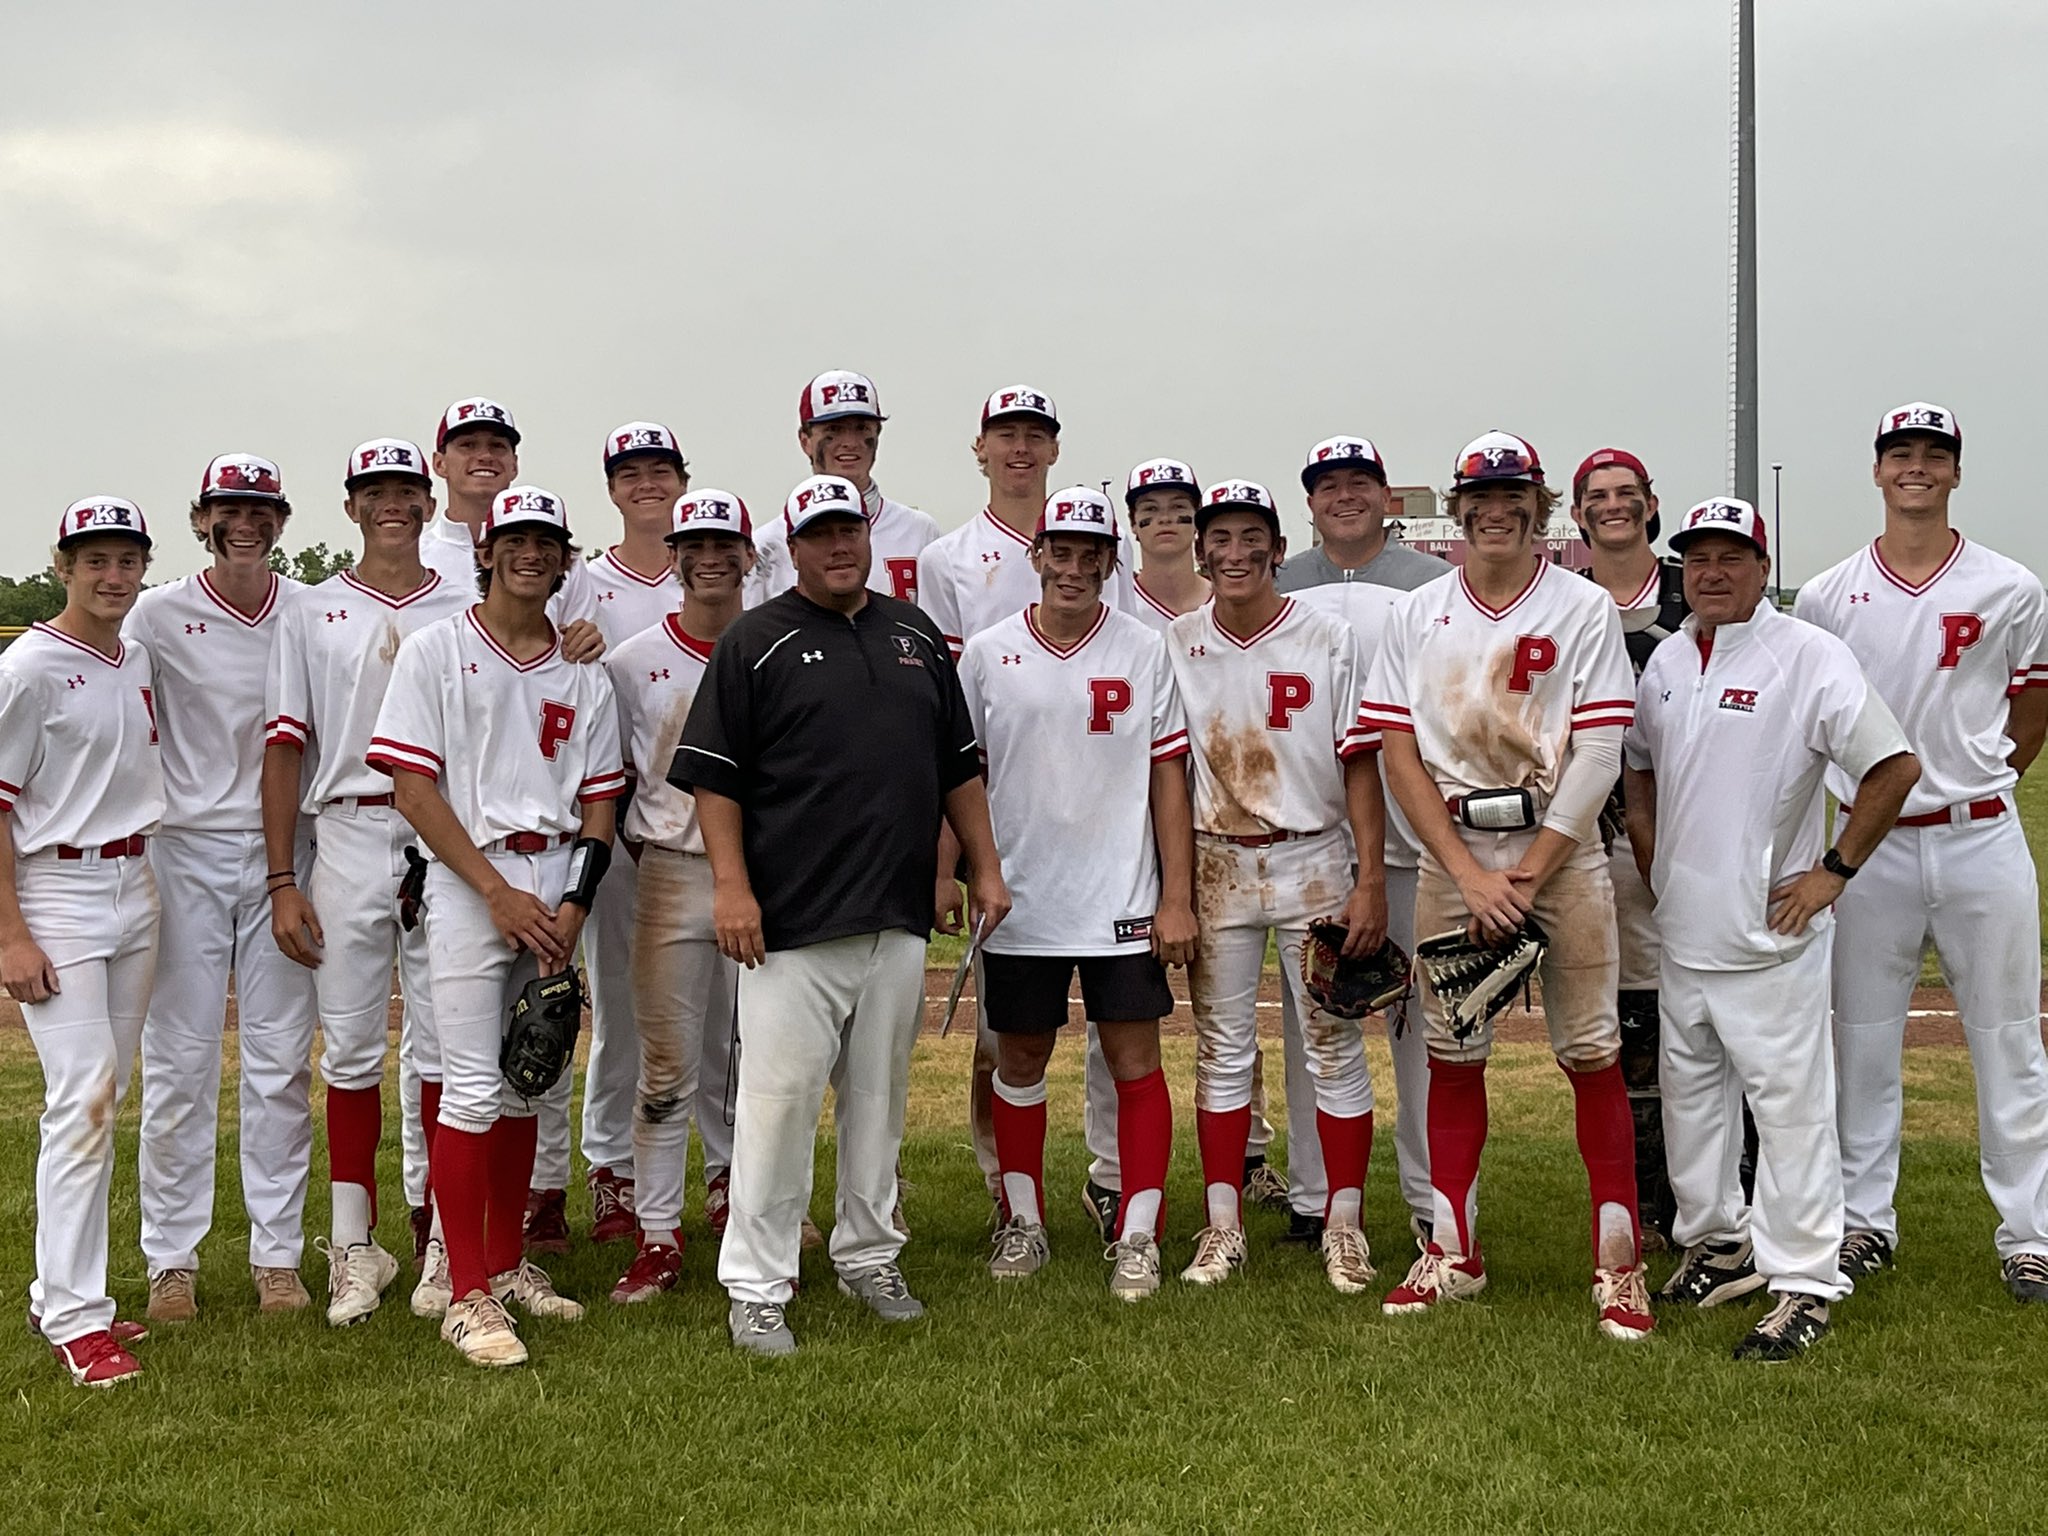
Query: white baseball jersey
[
  {"x": 516, "y": 746},
  {"x": 981, "y": 572},
  {"x": 1365, "y": 605},
  {"x": 619, "y": 600},
  {"x": 896, "y": 533},
  {"x": 1739, "y": 739},
  {"x": 1270, "y": 716},
  {"x": 1494, "y": 695},
  {"x": 1145, "y": 606},
  {"x": 79, "y": 759},
  {"x": 212, "y": 666},
  {"x": 448, "y": 548},
  {"x": 655, "y": 675},
  {"x": 330, "y": 667},
  {"x": 1069, "y": 736},
  {"x": 1947, "y": 656}
]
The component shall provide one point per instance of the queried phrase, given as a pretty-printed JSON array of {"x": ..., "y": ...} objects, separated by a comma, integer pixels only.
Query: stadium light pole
[
  {"x": 1742, "y": 358},
  {"x": 1778, "y": 534}
]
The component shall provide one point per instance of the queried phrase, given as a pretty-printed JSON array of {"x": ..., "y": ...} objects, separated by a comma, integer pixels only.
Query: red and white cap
[
  {"x": 1722, "y": 514},
  {"x": 1021, "y": 400},
  {"x": 385, "y": 456},
  {"x": 1922, "y": 417},
  {"x": 839, "y": 392},
  {"x": 1160, "y": 475},
  {"x": 523, "y": 506},
  {"x": 241, "y": 476},
  {"x": 476, "y": 411},
  {"x": 1078, "y": 510},
  {"x": 1613, "y": 458},
  {"x": 821, "y": 496},
  {"x": 641, "y": 437},
  {"x": 1236, "y": 496},
  {"x": 1341, "y": 453},
  {"x": 710, "y": 511},
  {"x": 1497, "y": 456},
  {"x": 101, "y": 514}
]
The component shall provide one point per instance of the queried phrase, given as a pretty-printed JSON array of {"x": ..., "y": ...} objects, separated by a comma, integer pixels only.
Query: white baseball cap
[
  {"x": 1497, "y": 456},
  {"x": 821, "y": 496},
  {"x": 1722, "y": 514},
  {"x": 476, "y": 411},
  {"x": 1160, "y": 475},
  {"x": 1918, "y": 416},
  {"x": 101, "y": 514},
  {"x": 1341, "y": 453},
  {"x": 241, "y": 477},
  {"x": 839, "y": 392},
  {"x": 1236, "y": 496},
  {"x": 1078, "y": 510},
  {"x": 1020, "y": 400},
  {"x": 710, "y": 511},
  {"x": 641, "y": 437},
  {"x": 385, "y": 456},
  {"x": 520, "y": 506}
]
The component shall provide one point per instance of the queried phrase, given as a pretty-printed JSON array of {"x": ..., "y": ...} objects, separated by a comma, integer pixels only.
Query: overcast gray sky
[{"x": 1214, "y": 231}]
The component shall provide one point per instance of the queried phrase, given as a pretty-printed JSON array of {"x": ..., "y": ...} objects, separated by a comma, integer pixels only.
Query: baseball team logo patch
[{"x": 1742, "y": 700}]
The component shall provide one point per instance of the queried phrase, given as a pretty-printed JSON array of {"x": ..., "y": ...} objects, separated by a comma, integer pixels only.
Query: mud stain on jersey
[
  {"x": 1243, "y": 765},
  {"x": 388, "y": 651},
  {"x": 1499, "y": 734}
]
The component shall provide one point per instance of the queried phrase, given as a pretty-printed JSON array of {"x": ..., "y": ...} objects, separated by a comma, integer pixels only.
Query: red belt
[
  {"x": 119, "y": 848},
  {"x": 1976, "y": 810},
  {"x": 536, "y": 842},
  {"x": 1262, "y": 840}
]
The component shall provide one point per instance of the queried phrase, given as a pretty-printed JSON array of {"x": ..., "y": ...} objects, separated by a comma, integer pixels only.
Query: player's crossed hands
[
  {"x": 529, "y": 923},
  {"x": 27, "y": 972},
  {"x": 1497, "y": 900}
]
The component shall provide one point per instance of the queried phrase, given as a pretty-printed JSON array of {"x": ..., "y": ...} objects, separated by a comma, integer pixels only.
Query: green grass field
[{"x": 1050, "y": 1407}]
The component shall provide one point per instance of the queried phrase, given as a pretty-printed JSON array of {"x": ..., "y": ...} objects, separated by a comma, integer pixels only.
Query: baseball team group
[{"x": 1095, "y": 741}]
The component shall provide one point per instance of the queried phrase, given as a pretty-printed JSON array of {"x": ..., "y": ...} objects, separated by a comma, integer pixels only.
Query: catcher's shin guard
[{"x": 1656, "y": 1206}]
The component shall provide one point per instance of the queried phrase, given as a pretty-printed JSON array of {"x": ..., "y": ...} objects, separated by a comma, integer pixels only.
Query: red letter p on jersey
[
  {"x": 1534, "y": 655},
  {"x": 1108, "y": 697},
  {"x": 556, "y": 721},
  {"x": 1959, "y": 631},
  {"x": 1287, "y": 695}
]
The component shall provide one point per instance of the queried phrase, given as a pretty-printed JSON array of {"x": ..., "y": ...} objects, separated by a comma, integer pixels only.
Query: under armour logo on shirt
[
  {"x": 75, "y": 682},
  {"x": 1198, "y": 650},
  {"x": 1859, "y": 597},
  {"x": 339, "y": 613},
  {"x": 655, "y": 677},
  {"x": 605, "y": 597},
  {"x": 990, "y": 556},
  {"x": 469, "y": 666},
  {"x": 1441, "y": 619},
  {"x": 811, "y": 656},
  {"x": 195, "y": 629},
  {"x": 1013, "y": 660}
]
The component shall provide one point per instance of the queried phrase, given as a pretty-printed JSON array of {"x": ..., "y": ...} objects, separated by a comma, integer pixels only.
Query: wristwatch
[{"x": 1831, "y": 861}]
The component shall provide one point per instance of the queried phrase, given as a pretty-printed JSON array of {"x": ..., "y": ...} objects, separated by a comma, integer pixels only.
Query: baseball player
[
  {"x": 683, "y": 989},
  {"x": 1356, "y": 572},
  {"x": 968, "y": 579},
  {"x": 210, "y": 638},
  {"x": 1953, "y": 637},
  {"x": 1283, "y": 768},
  {"x": 624, "y": 590},
  {"x": 1160, "y": 498},
  {"x": 1081, "y": 731},
  {"x": 81, "y": 786},
  {"x": 1503, "y": 690},
  {"x": 504, "y": 757},
  {"x": 330, "y": 665},
  {"x": 1737, "y": 717},
  {"x": 827, "y": 740},
  {"x": 476, "y": 454},
  {"x": 1616, "y": 511},
  {"x": 839, "y": 428}
]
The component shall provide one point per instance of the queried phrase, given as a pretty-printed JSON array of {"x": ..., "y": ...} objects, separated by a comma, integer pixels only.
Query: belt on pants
[
  {"x": 361, "y": 802},
  {"x": 1951, "y": 815},
  {"x": 530, "y": 842},
  {"x": 119, "y": 848},
  {"x": 1260, "y": 840}
]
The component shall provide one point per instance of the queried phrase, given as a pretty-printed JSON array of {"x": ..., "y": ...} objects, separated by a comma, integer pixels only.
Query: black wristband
[
  {"x": 588, "y": 861},
  {"x": 1831, "y": 861},
  {"x": 282, "y": 874}
]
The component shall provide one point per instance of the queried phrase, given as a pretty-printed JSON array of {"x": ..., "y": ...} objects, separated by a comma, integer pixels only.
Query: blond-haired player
[{"x": 1503, "y": 690}]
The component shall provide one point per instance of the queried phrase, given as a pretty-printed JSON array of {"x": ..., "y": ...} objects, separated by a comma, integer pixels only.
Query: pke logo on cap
[
  {"x": 385, "y": 456},
  {"x": 1340, "y": 453},
  {"x": 1020, "y": 400},
  {"x": 639, "y": 437},
  {"x": 711, "y": 511},
  {"x": 1722, "y": 514},
  {"x": 1241, "y": 493},
  {"x": 241, "y": 474},
  {"x": 101, "y": 514},
  {"x": 839, "y": 392},
  {"x": 523, "y": 504},
  {"x": 1160, "y": 474},
  {"x": 475, "y": 412},
  {"x": 1920, "y": 416},
  {"x": 1077, "y": 509},
  {"x": 821, "y": 496}
]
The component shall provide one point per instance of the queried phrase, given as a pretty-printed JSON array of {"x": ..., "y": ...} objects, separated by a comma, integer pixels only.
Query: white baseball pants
[
  {"x": 96, "y": 920},
  {"x": 216, "y": 920},
  {"x": 1761, "y": 1034},
  {"x": 684, "y": 992},
  {"x": 1973, "y": 890},
  {"x": 358, "y": 860},
  {"x": 843, "y": 1012}
]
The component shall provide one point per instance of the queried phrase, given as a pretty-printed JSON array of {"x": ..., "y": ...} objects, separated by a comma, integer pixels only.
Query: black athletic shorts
[{"x": 1027, "y": 994}]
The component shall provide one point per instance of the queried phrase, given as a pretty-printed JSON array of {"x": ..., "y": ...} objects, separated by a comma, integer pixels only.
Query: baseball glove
[
  {"x": 1351, "y": 988},
  {"x": 1475, "y": 981},
  {"x": 541, "y": 1035}
]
